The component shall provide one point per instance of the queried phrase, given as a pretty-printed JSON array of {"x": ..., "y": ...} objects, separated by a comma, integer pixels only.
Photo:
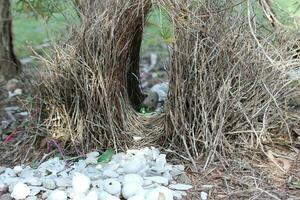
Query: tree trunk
[{"x": 9, "y": 64}]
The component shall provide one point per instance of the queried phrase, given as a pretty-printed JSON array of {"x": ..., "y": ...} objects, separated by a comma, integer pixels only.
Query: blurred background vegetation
[{"x": 36, "y": 22}]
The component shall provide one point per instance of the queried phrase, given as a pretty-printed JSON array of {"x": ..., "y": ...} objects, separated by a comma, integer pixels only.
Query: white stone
[
  {"x": 33, "y": 181},
  {"x": 139, "y": 196},
  {"x": 180, "y": 186},
  {"x": 9, "y": 172},
  {"x": 133, "y": 178},
  {"x": 34, "y": 190},
  {"x": 57, "y": 195},
  {"x": 110, "y": 173},
  {"x": 160, "y": 162},
  {"x": 17, "y": 169},
  {"x": 177, "y": 170},
  {"x": 20, "y": 191},
  {"x": 159, "y": 193},
  {"x": 112, "y": 186},
  {"x": 135, "y": 164},
  {"x": 131, "y": 189},
  {"x": 178, "y": 194},
  {"x": 158, "y": 179},
  {"x": 106, "y": 196},
  {"x": 49, "y": 184},
  {"x": 92, "y": 195},
  {"x": 93, "y": 154},
  {"x": 27, "y": 172},
  {"x": 79, "y": 166},
  {"x": 203, "y": 195},
  {"x": 80, "y": 183},
  {"x": 63, "y": 181},
  {"x": 31, "y": 198},
  {"x": 53, "y": 166},
  {"x": 91, "y": 160},
  {"x": 18, "y": 91}
]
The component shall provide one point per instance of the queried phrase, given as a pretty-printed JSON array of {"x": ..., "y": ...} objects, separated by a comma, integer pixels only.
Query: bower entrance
[{"x": 153, "y": 58}]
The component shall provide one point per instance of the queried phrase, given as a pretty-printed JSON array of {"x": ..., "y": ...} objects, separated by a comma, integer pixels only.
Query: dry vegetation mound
[{"x": 227, "y": 85}]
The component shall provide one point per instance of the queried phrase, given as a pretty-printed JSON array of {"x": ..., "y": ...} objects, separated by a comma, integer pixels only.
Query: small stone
[
  {"x": 131, "y": 189},
  {"x": 17, "y": 169},
  {"x": 159, "y": 193},
  {"x": 178, "y": 194},
  {"x": 135, "y": 164},
  {"x": 9, "y": 172},
  {"x": 34, "y": 190},
  {"x": 180, "y": 186},
  {"x": 92, "y": 195},
  {"x": 158, "y": 179},
  {"x": 110, "y": 173},
  {"x": 57, "y": 195},
  {"x": 49, "y": 184},
  {"x": 106, "y": 196},
  {"x": 112, "y": 186},
  {"x": 31, "y": 198},
  {"x": 91, "y": 160},
  {"x": 20, "y": 191},
  {"x": 18, "y": 91},
  {"x": 80, "y": 183},
  {"x": 133, "y": 178},
  {"x": 93, "y": 154},
  {"x": 33, "y": 181},
  {"x": 203, "y": 195},
  {"x": 63, "y": 182}
]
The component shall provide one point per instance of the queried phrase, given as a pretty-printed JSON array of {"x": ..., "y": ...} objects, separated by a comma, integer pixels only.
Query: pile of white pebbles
[{"x": 137, "y": 175}]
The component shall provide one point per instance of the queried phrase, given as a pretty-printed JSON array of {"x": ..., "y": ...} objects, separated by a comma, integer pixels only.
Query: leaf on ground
[{"x": 106, "y": 156}]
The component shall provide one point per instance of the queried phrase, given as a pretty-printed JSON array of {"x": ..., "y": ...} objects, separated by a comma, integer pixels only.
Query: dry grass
[{"x": 227, "y": 87}]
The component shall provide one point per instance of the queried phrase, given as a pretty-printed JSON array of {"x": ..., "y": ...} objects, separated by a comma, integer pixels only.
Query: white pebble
[
  {"x": 106, "y": 196},
  {"x": 112, "y": 186},
  {"x": 133, "y": 178},
  {"x": 180, "y": 186},
  {"x": 57, "y": 195},
  {"x": 92, "y": 195},
  {"x": 135, "y": 164},
  {"x": 17, "y": 169},
  {"x": 158, "y": 179},
  {"x": 159, "y": 193},
  {"x": 20, "y": 191},
  {"x": 80, "y": 183},
  {"x": 31, "y": 198},
  {"x": 131, "y": 189},
  {"x": 204, "y": 195}
]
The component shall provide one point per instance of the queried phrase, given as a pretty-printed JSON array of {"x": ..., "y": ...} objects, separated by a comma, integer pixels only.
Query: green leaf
[{"x": 106, "y": 156}]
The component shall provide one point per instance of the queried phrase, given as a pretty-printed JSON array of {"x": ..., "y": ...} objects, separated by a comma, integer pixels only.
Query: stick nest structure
[{"x": 228, "y": 83}]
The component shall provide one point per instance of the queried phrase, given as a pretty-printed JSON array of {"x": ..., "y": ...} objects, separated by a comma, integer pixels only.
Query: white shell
[
  {"x": 80, "y": 183},
  {"x": 20, "y": 191}
]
